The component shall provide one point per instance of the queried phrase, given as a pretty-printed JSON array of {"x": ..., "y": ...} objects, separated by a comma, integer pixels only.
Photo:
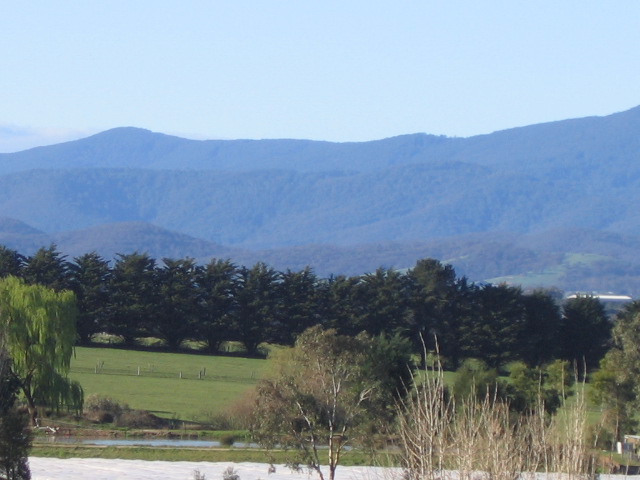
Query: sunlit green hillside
[{"x": 188, "y": 387}]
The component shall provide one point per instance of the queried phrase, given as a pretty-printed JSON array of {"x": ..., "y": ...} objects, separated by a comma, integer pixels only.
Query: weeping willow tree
[{"x": 39, "y": 329}]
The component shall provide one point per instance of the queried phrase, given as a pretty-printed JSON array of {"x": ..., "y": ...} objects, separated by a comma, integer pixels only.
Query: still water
[{"x": 141, "y": 442}]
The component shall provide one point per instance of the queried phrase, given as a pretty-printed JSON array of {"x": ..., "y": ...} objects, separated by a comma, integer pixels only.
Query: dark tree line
[
  {"x": 177, "y": 299},
  {"x": 15, "y": 435}
]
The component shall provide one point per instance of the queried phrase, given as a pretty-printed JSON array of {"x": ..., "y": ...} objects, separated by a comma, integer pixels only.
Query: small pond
[{"x": 141, "y": 442}]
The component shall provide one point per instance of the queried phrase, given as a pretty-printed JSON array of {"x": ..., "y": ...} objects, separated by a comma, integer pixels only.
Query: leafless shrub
[
  {"x": 481, "y": 438},
  {"x": 425, "y": 427},
  {"x": 236, "y": 417},
  {"x": 567, "y": 441},
  {"x": 103, "y": 409},
  {"x": 230, "y": 473},
  {"x": 140, "y": 419},
  {"x": 485, "y": 440},
  {"x": 241, "y": 411},
  {"x": 199, "y": 476},
  {"x": 216, "y": 420}
]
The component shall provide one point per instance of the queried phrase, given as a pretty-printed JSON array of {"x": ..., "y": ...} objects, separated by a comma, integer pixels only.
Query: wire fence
[{"x": 153, "y": 372}]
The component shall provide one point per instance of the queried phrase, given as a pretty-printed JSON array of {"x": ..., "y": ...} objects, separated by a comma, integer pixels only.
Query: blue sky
[{"x": 330, "y": 70}]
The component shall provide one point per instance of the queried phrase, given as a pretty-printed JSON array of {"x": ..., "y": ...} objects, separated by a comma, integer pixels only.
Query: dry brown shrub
[
  {"x": 102, "y": 409},
  {"x": 236, "y": 417},
  {"x": 480, "y": 438},
  {"x": 242, "y": 410},
  {"x": 140, "y": 419},
  {"x": 424, "y": 419}
]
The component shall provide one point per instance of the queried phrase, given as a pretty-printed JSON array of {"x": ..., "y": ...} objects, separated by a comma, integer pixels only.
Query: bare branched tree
[{"x": 318, "y": 398}]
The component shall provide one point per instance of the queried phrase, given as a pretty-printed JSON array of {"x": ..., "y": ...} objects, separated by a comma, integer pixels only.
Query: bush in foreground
[
  {"x": 481, "y": 437},
  {"x": 102, "y": 409}
]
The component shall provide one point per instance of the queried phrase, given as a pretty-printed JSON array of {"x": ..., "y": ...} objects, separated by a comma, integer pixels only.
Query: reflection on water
[{"x": 142, "y": 442}]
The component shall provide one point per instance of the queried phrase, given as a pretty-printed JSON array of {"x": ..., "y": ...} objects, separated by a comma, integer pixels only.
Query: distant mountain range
[{"x": 549, "y": 204}]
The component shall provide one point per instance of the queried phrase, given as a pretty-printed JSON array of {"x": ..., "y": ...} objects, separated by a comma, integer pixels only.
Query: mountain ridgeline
[{"x": 549, "y": 204}]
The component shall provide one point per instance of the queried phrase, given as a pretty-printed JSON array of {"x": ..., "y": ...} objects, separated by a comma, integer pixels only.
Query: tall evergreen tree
[
  {"x": 539, "y": 336},
  {"x": 217, "y": 289},
  {"x": 454, "y": 316},
  {"x": 11, "y": 262},
  {"x": 299, "y": 304},
  {"x": 134, "y": 294},
  {"x": 257, "y": 301},
  {"x": 48, "y": 267},
  {"x": 432, "y": 288},
  {"x": 585, "y": 331},
  {"x": 175, "y": 320},
  {"x": 90, "y": 280},
  {"x": 386, "y": 297},
  {"x": 492, "y": 335},
  {"x": 342, "y": 306}
]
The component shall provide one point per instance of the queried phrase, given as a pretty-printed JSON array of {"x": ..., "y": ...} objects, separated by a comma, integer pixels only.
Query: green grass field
[
  {"x": 553, "y": 273},
  {"x": 181, "y": 386},
  {"x": 171, "y": 385},
  {"x": 352, "y": 457},
  {"x": 187, "y": 387}
]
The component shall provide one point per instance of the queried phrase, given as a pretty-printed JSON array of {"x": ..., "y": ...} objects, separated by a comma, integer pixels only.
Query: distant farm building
[{"x": 612, "y": 303}]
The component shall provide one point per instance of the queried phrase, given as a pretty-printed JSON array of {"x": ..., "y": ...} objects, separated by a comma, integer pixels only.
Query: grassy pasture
[
  {"x": 351, "y": 458},
  {"x": 553, "y": 273},
  {"x": 171, "y": 385},
  {"x": 209, "y": 384}
]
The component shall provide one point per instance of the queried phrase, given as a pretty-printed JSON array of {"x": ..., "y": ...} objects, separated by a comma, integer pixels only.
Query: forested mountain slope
[
  {"x": 276, "y": 208},
  {"x": 494, "y": 205},
  {"x": 581, "y": 143}
]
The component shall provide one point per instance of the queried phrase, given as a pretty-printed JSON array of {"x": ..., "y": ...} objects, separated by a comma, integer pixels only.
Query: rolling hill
[{"x": 523, "y": 201}]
